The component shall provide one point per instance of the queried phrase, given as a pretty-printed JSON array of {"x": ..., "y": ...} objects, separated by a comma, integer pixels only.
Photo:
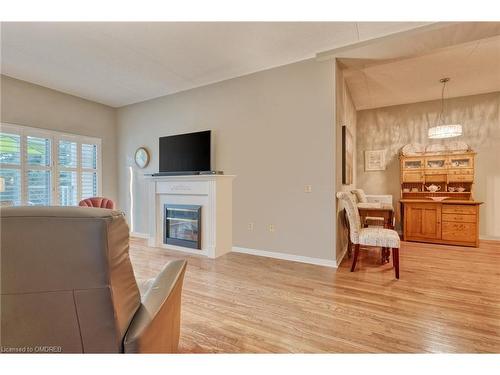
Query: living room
[{"x": 250, "y": 187}]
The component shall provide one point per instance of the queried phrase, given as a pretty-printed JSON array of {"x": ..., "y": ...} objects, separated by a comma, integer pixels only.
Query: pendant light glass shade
[{"x": 444, "y": 130}]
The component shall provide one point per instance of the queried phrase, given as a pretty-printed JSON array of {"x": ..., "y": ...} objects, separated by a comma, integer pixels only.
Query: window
[
  {"x": 89, "y": 170},
  {"x": 47, "y": 168},
  {"x": 39, "y": 181},
  {"x": 10, "y": 171},
  {"x": 68, "y": 170}
]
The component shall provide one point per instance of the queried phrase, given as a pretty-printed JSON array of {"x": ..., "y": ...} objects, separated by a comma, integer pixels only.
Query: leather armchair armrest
[{"x": 155, "y": 327}]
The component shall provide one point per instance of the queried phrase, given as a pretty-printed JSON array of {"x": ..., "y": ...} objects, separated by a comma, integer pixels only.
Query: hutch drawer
[
  {"x": 435, "y": 171},
  {"x": 413, "y": 176},
  {"x": 460, "y": 178},
  {"x": 461, "y": 171},
  {"x": 465, "y": 232},
  {"x": 435, "y": 177},
  {"x": 459, "y": 209},
  {"x": 459, "y": 218}
]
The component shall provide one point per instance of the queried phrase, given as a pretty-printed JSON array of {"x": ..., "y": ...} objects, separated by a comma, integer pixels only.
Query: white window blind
[
  {"x": 38, "y": 175},
  {"x": 89, "y": 156},
  {"x": 10, "y": 167},
  {"x": 67, "y": 166},
  {"x": 89, "y": 184},
  {"x": 38, "y": 151},
  {"x": 68, "y": 188},
  {"x": 10, "y": 149},
  {"x": 12, "y": 182},
  {"x": 89, "y": 170},
  {"x": 42, "y": 167},
  {"x": 39, "y": 188}
]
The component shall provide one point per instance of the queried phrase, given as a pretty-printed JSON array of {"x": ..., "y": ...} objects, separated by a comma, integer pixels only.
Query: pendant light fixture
[{"x": 442, "y": 130}]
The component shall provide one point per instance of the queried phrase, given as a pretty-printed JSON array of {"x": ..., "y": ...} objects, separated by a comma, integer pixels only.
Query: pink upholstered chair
[{"x": 97, "y": 202}]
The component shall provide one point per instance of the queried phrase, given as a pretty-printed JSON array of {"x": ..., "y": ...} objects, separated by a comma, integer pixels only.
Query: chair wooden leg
[
  {"x": 395, "y": 261},
  {"x": 387, "y": 254},
  {"x": 355, "y": 258},
  {"x": 349, "y": 248},
  {"x": 382, "y": 255}
]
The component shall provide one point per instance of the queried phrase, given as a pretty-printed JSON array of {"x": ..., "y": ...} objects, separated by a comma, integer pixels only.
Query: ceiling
[
  {"x": 123, "y": 63},
  {"x": 474, "y": 68},
  {"x": 414, "y": 42}
]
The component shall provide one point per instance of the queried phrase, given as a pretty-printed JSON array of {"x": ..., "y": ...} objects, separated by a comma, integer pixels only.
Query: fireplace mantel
[{"x": 212, "y": 192}]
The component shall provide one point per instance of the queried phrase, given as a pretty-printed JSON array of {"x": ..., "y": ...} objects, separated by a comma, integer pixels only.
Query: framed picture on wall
[
  {"x": 347, "y": 156},
  {"x": 375, "y": 160}
]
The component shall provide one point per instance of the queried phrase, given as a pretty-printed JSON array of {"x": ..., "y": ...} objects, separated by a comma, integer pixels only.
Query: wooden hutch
[{"x": 454, "y": 220}]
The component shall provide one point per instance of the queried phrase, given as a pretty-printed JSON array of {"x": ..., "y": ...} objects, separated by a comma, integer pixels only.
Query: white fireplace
[{"x": 211, "y": 193}]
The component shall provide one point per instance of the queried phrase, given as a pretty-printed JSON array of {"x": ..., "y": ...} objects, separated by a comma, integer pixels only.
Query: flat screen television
[{"x": 186, "y": 152}]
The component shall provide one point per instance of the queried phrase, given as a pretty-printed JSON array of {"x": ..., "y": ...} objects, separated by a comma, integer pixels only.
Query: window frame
[{"x": 54, "y": 167}]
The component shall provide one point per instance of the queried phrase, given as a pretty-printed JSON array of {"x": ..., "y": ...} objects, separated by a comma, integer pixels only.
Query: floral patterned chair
[
  {"x": 376, "y": 236},
  {"x": 360, "y": 195},
  {"x": 97, "y": 202},
  {"x": 361, "y": 198}
]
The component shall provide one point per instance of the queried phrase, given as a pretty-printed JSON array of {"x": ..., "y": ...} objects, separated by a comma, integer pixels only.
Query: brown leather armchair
[{"x": 67, "y": 285}]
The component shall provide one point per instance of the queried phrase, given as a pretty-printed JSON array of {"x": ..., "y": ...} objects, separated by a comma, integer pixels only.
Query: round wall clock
[{"x": 141, "y": 157}]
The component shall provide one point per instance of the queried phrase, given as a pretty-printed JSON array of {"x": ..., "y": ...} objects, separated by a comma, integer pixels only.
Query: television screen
[{"x": 185, "y": 152}]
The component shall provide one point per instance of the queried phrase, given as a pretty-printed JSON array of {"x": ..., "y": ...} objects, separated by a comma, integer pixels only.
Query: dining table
[{"x": 373, "y": 211}]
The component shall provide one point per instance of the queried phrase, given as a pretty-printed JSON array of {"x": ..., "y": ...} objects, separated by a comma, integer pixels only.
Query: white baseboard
[
  {"x": 489, "y": 238},
  {"x": 284, "y": 256},
  {"x": 139, "y": 235}
]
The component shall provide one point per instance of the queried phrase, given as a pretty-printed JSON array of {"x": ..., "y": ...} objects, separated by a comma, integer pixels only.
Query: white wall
[
  {"x": 274, "y": 130},
  {"x": 24, "y": 103}
]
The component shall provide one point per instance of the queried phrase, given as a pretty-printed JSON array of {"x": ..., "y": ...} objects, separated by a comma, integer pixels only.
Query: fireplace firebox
[{"x": 182, "y": 225}]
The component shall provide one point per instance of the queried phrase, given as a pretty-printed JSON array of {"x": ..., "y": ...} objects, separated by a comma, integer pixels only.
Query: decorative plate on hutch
[
  {"x": 457, "y": 147},
  {"x": 438, "y": 199},
  {"x": 412, "y": 149},
  {"x": 436, "y": 147}
]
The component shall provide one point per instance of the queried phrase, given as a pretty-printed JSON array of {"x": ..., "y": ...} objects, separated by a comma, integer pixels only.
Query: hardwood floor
[{"x": 447, "y": 300}]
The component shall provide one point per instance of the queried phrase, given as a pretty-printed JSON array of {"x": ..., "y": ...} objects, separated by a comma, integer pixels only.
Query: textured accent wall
[{"x": 391, "y": 128}]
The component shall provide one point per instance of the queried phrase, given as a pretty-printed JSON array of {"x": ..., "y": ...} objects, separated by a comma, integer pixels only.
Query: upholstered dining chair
[
  {"x": 376, "y": 236},
  {"x": 97, "y": 202},
  {"x": 361, "y": 197}
]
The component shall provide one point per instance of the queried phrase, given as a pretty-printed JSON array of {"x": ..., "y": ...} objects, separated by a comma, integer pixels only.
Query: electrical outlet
[
  {"x": 250, "y": 227},
  {"x": 308, "y": 189},
  {"x": 272, "y": 228}
]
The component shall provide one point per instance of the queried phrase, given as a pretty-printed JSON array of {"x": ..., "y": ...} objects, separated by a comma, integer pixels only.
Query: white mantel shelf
[
  {"x": 194, "y": 177},
  {"x": 212, "y": 192}
]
